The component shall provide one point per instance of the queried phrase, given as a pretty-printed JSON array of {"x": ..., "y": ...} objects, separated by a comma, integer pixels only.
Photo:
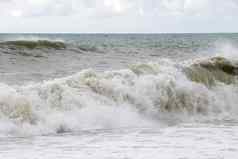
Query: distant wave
[
  {"x": 38, "y": 48},
  {"x": 140, "y": 95},
  {"x": 39, "y": 44}
]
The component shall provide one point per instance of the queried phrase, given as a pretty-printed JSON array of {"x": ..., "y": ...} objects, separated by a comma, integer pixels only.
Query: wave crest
[
  {"x": 39, "y": 44},
  {"x": 211, "y": 70}
]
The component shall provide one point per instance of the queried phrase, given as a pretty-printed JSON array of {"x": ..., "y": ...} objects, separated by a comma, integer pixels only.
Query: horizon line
[{"x": 118, "y": 33}]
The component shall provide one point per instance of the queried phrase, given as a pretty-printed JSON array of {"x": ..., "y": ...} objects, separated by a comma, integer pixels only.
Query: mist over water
[{"x": 164, "y": 86}]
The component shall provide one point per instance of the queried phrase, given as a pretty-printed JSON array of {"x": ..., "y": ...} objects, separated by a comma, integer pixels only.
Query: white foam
[{"x": 141, "y": 96}]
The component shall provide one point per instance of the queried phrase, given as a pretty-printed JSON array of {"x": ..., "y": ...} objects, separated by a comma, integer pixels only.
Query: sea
[{"x": 119, "y": 96}]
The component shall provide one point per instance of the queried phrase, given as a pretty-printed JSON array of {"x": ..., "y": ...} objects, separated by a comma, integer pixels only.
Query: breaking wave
[
  {"x": 38, "y": 44},
  {"x": 145, "y": 94},
  {"x": 38, "y": 48},
  {"x": 209, "y": 72}
]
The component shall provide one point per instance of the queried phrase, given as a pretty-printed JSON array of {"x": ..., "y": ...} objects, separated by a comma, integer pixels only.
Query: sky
[{"x": 118, "y": 16}]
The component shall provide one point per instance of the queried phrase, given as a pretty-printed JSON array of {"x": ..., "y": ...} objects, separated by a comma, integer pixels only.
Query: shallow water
[
  {"x": 119, "y": 96},
  {"x": 191, "y": 141}
]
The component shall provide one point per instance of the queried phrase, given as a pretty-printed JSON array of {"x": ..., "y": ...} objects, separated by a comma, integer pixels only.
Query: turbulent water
[{"x": 118, "y": 96}]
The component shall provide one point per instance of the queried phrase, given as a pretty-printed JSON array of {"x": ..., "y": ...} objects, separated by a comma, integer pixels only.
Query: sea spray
[{"x": 142, "y": 95}]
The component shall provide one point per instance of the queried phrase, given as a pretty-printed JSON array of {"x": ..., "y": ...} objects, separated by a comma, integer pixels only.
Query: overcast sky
[{"x": 119, "y": 16}]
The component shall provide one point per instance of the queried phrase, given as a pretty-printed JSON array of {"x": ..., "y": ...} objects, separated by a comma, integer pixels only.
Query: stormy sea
[{"x": 118, "y": 96}]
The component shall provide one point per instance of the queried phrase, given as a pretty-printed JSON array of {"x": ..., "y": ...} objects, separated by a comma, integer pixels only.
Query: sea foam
[{"x": 143, "y": 95}]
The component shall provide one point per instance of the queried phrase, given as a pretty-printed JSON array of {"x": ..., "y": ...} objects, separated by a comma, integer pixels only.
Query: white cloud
[
  {"x": 121, "y": 13},
  {"x": 36, "y": 7},
  {"x": 69, "y": 7}
]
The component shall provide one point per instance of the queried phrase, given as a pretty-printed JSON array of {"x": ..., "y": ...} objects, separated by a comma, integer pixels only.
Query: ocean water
[{"x": 118, "y": 96}]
